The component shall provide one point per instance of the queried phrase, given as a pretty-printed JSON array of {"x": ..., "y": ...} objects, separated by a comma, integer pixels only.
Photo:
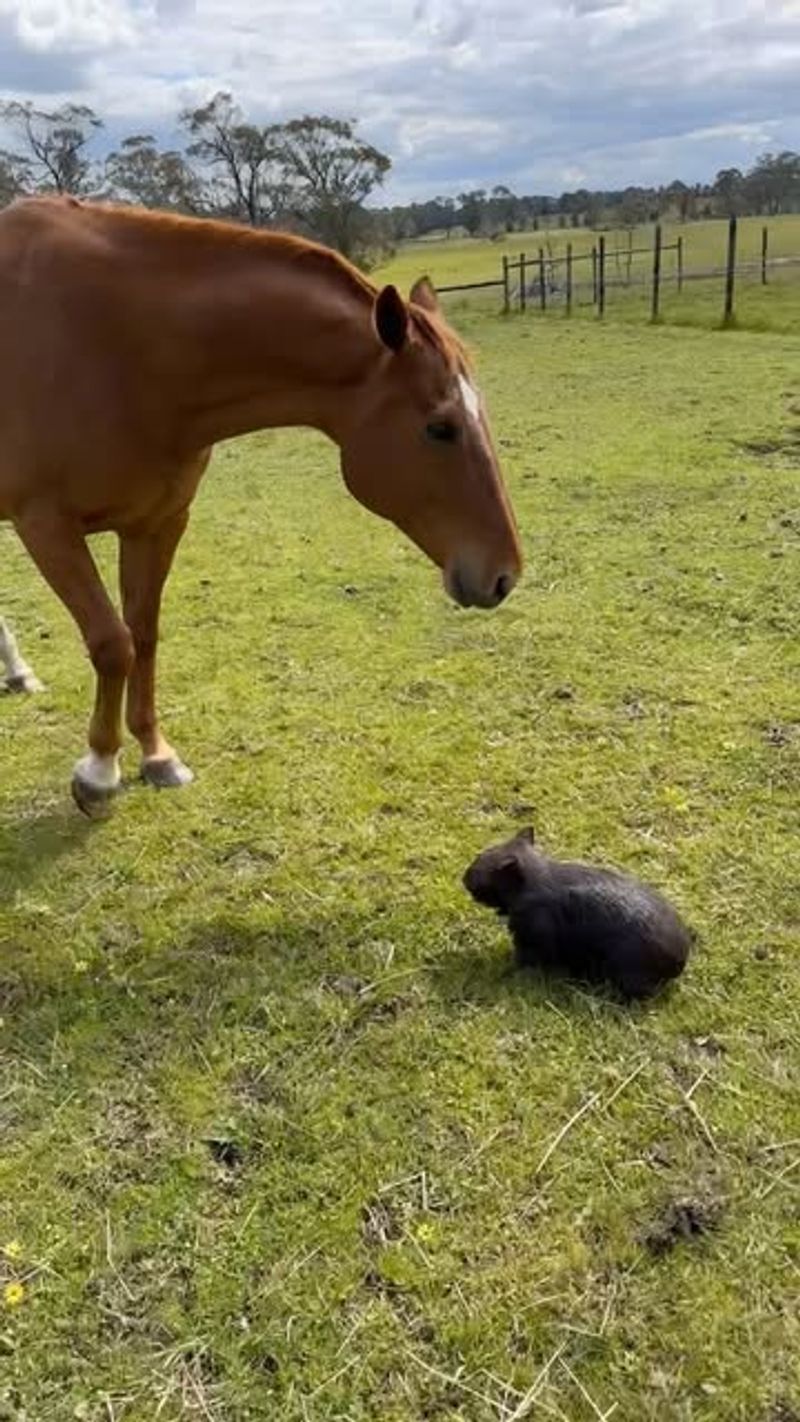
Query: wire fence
[{"x": 594, "y": 278}]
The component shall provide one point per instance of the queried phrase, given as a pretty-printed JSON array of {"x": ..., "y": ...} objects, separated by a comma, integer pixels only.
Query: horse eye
[{"x": 443, "y": 430}]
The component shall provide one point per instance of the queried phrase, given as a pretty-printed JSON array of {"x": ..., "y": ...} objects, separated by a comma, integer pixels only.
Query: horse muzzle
[{"x": 469, "y": 590}]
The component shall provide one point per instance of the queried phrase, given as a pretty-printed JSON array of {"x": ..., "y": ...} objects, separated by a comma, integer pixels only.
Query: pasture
[
  {"x": 774, "y": 307},
  {"x": 281, "y": 1135}
]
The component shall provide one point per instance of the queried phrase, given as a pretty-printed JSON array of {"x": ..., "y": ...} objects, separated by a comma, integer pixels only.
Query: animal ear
[
  {"x": 423, "y": 294},
  {"x": 508, "y": 877},
  {"x": 527, "y": 834},
  {"x": 391, "y": 318}
]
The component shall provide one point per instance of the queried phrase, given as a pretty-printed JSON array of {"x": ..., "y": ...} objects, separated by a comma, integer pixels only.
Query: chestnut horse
[{"x": 131, "y": 341}]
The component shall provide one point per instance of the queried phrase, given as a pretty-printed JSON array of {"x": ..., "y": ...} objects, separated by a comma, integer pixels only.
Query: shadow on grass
[
  {"x": 32, "y": 841},
  {"x": 304, "y": 983},
  {"x": 468, "y": 976},
  {"x": 226, "y": 974}
]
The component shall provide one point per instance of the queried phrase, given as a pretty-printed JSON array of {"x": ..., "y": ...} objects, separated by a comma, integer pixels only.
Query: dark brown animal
[
  {"x": 597, "y": 925},
  {"x": 130, "y": 342}
]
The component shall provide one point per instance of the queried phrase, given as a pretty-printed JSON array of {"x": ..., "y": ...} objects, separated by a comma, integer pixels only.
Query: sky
[{"x": 541, "y": 95}]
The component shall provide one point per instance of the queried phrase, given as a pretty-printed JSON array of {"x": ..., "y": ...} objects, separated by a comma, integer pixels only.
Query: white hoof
[
  {"x": 25, "y": 681},
  {"x": 95, "y": 781}
]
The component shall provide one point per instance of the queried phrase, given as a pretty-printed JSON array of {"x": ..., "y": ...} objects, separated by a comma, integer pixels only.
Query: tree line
[
  {"x": 314, "y": 175},
  {"x": 770, "y": 187}
]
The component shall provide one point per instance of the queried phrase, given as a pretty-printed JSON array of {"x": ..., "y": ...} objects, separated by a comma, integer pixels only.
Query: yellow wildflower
[
  {"x": 12, "y": 1250},
  {"x": 13, "y": 1294}
]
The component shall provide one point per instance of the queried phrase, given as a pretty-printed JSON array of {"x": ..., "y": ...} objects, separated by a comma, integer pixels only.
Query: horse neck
[{"x": 278, "y": 341}]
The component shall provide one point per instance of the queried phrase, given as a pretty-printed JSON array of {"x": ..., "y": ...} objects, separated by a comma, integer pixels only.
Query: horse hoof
[
  {"x": 94, "y": 801},
  {"x": 166, "y": 774},
  {"x": 25, "y": 682}
]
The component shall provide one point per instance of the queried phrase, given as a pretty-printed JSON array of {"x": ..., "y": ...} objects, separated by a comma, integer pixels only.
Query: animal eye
[{"x": 442, "y": 430}]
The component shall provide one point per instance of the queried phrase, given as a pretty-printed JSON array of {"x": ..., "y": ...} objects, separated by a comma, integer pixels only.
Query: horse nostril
[{"x": 503, "y": 586}]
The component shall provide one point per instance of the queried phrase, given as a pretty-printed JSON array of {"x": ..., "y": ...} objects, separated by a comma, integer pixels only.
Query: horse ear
[
  {"x": 423, "y": 294},
  {"x": 391, "y": 318},
  {"x": 527, "y": 834}
]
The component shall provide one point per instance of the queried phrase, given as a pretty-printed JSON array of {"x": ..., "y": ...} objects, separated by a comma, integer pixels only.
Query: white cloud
[
  {"x": 456, "y": 91},
  {"x": 69, "y": 25}
]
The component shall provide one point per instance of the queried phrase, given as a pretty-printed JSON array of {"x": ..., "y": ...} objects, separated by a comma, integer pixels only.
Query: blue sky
[{"x": 539, "y": 94}]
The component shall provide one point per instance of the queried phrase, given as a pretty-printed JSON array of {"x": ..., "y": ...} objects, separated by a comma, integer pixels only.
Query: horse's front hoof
[
  {"x": 94, "y": 801},
  {"x": 24, "y": 683},
  {"x": 166, "y": 774},
  {"x": 95, "y": 783}
]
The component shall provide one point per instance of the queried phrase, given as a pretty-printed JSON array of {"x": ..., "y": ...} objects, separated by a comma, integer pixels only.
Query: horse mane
[
  {"x": 429, "y": 326},
  {"x": 435, "y": 331}
]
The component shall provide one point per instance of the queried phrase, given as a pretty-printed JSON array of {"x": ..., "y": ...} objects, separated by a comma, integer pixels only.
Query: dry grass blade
[
  {"x": 586, "y": 1395},
  {"x": 776, "y": 1179},
  {"x": 565, "y": 1130},
  {"x": 453, "y": 1380},
  {"x": 524, "y": 1407}
]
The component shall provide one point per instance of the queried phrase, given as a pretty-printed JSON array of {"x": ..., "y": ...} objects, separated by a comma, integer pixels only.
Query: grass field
[
  {"x": 282, "y": 1137},
  {"x": 774, "y": 307}
]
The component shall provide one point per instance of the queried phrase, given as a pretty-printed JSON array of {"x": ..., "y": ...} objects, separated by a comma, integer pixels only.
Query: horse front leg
[
  {"x": 145, "y": 561},
  {"x": 18, "y": 675},
  {"x": 58, "y": 548}
]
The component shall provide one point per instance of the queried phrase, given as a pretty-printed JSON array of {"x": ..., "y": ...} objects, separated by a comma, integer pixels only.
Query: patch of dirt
[
  {"x": 379, "y": 1224},
  {"x": 344, "y": 985},
  {"x": 225, "y": 1152},
  {"x": 388, "y": 1009},
  {"x": 659, "y": 1155},
  {"x": 375, "y": 1283},
  {"x": 681, "y": 1220},
  {"x": 782, "y": 1412},
  {"x": 781, "y": 449},
  {"x": 709, "y": 1046},
  {"x": 243, "y": 859},
  {"x": 777, "y": 734}
]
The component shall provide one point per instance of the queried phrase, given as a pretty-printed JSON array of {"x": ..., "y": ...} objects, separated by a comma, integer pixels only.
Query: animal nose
[
  {"x": 503, "y": 587},
  {"x": 469, "y": 591}
]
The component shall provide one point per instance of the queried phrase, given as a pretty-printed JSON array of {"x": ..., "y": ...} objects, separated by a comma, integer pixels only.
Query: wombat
[{"x": 597, "y": 925}]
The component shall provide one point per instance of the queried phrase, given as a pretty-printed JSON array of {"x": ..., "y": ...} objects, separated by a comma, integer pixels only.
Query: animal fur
[{"x": 597, "y": 925}]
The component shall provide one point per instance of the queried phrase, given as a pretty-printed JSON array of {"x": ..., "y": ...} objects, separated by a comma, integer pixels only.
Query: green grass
[
  {"x": 774, "y": 307},
  {"x": 282, "y": 956}
]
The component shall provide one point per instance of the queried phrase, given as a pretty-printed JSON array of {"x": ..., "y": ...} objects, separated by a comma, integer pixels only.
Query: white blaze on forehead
[{"x": 470, "y": 397}]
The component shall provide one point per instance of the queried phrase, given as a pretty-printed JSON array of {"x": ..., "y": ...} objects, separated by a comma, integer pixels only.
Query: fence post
[
  {"x": 730, "y": 275},
  {"x": 522, "y": 293},
  {"x": 656, "y": 272},
  {"x": 601, "y": 279},
  {"x": 764, "y": 254},
  {"x": 568, "y": 307},
  {"x": 680, "y": 264},
  {"x": 630, "y": 255},
  {"x": 594, "y": 276},
  {"x": 542, "y": 288},
  {"x": 506, "y": 288}
]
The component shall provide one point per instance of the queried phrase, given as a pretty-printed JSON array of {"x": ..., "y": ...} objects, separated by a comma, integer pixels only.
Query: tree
[
  {"x": 14, "y": 177},
  {"x": 729, "y": 190},
  {"x": 635, "y": 207},
  {"x": 472, "y": 210},
  {"x": 245, "y": 160},
  {"x": 773, "y": 183},
  {"x": 55, "y": 144},
  {"x": 330, "y": 172},
  {"x": 137, "y": 172},
  {"x": 682, "y": 198}
]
